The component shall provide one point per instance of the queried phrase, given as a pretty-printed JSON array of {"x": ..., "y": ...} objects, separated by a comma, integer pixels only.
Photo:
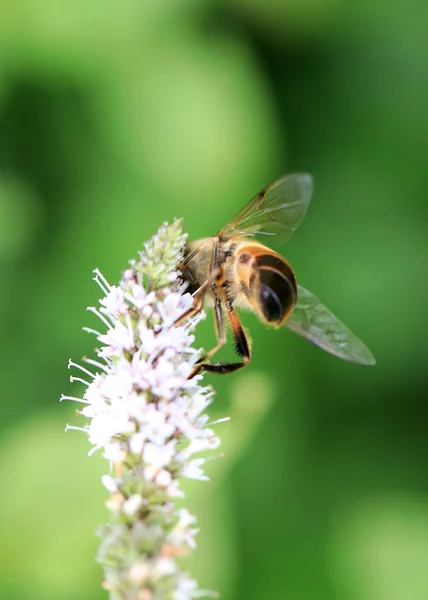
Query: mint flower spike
[{"x": 149, "y": 421}]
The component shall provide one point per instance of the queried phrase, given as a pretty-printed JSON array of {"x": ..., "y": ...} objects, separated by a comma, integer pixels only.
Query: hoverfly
[{"x": 232, "y": 270}]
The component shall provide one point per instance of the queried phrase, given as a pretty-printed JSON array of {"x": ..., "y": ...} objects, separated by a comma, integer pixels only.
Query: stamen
[
  {"x": 95, "y": 364},
  {"x": 196, "y": 356},
  {"x": 223, "y": 420},
  {"x": 101, "y": 281},
  {"x": 214, "y": 457},
  {"x": 79, "y": 379},
  {"x": 193, "y": 321},
  {"x": 106, "y": 359},
  {"x": 73, "y": 364},
  {"x": 72, "y": 427},
  {"x": 130, "y": 298},
  {"x": 73, "y": 398},
  {"x": 96, "y": 312},
  {"x": 94, "y": 331}
]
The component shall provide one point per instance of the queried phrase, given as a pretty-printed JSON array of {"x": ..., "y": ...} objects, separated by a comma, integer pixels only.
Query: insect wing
[
  {"x": 313, "y": 321},
  {"x": 277, "y": 210}
]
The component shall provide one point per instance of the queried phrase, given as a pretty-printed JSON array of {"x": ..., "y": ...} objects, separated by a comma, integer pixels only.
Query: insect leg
[
  {"x": 198, "y": 298},
  {"x": 242, "y": 346},
  {"x": 219, "y": 330},
  {"x": 221, "y": 338}
]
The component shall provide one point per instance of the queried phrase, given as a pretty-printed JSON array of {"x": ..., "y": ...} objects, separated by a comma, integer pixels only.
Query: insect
[{"x": 232, "y": 269}]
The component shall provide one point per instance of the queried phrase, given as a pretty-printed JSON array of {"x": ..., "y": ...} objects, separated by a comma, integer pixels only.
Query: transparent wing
[
  {"x": 277, "y": 210},
  {"x": 313, "y": 321}
]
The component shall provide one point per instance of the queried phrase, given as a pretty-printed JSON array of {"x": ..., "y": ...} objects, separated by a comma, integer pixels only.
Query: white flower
[
  {"x": 114, "y": 302},
  {"x": 118, "y": 381},
  {"x": 163, "y": 478},
  {"x": 111, "y": 483},
  {"x": 173, "y": 489},
  {"x": 177, "y": 339},
  {"x": 139, "y": 572},
  {"x": 158, "y": 456},
  {"x": 157, "y": 428},
  {"x": 165, "y": 379},
  {"x": 146, "y": 413},
  {"x": 119, "y": 338},
  {"x": 186, "y": 588},
  {"x": 138, "y": 296},
  {"x": 193, "y": 470},
  {"x": 174, "y": 305},
  {"x": 182, "y": 533},
  {"x": 115, "y": 502},
  {"x": 132, "y": 504},
  {"x": 136, "y": 443},
  {"x": 165, "y": 566},
  {"x": 114, "y": 452}
]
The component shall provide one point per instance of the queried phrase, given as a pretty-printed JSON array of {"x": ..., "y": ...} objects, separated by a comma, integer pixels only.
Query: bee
[{"x": 232, "y": 269}]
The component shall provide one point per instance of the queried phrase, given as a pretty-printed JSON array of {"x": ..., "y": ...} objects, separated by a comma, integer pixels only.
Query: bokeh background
[{"x": 118, "y": 115}]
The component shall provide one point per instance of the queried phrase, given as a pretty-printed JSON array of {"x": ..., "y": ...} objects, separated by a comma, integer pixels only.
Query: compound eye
[
  {"x": 277, "y": 294},
  {"x": 271, "y": 305}
]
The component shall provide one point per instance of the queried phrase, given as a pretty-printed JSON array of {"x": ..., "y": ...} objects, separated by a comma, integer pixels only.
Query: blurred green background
[{"x": 116, "y": 116}]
